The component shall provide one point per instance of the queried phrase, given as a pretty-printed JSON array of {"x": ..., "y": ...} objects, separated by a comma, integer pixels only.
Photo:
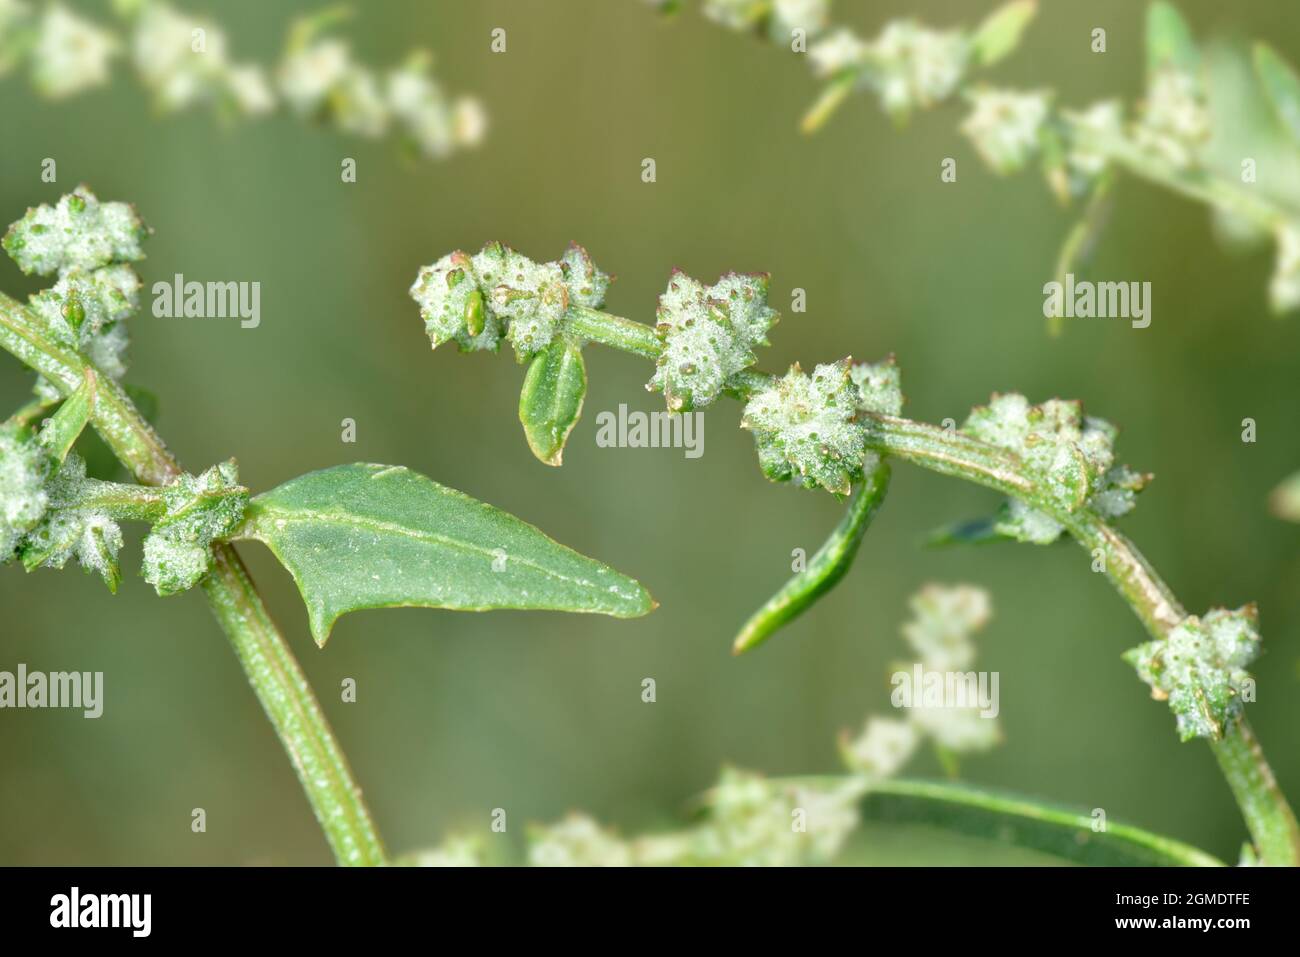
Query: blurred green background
[{"x": 541, "y": 713}]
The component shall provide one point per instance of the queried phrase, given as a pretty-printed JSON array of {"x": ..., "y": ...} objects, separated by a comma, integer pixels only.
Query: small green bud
[
  {"x": 452, "y": 304},
  {"x": 879, "y": 386}
]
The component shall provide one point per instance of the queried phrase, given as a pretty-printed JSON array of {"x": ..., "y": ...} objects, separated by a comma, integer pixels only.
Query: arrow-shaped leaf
[
  {"x": 376, "y": 536},
  {"x": 551, "y": 400}
]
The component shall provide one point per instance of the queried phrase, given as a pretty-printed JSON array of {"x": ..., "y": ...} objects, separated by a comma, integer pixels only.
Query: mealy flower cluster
[
  {"x": 807, "y": 428},
  {"x": 1071, "y": 456},
  {"x": 183, "y": 61},
  {"x": 88, "y": 245},
  {"x": 1200, "y": 669},
  {"x": 478, "y": 300},
  {"x": 943, "y": 620},
  {"x": 708, "y": 333},
  {"x": 199, "y": 510}
]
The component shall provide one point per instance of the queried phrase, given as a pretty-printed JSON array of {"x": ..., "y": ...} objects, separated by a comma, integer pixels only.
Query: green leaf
[
  {"x": 1282, "y": 85},
  {"x": 1026, "y": 823},
  {"x": 824, "y": 569},
  {"x": 551, "y": 400},
  {"x": 1000, "y": 33},
  {"x": 65, "y": 426},
  {"x": 376, "y": 536},
  {"x": 1169, "y": 40}
]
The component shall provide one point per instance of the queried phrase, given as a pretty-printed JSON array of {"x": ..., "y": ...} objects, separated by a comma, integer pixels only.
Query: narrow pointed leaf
[
  {"x": 824, "y": 569},
  {"x": 65, "y": 426},
  {"x": 1082, "y": 238},
  {"x": 375, "y": 536},
  {"x": 551, "y": 400},
  {"x": 1000, "y": 33},
  {"x": 1026, "y": 823},
  {"x": 1282, "y": 85},
  {"x": 1169, "y": 40}
]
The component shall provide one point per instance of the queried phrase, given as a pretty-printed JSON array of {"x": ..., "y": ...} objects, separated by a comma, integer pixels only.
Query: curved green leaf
[
  {"x": 1001, "y": 30},
  {"x": 1025, "y": 823},
  {"x": 824, "y": 569},
  {"x": 377, "y": 536},
  {"x": 1281, "y": 84},
  {"x": 551, "y": 400}
]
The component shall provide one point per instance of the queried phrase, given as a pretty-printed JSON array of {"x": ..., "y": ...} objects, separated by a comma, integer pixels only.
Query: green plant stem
[
  {"x": 138, "y": 503},
  {"x": 1268, "y": 816},
  {"x": 1194, "y": 183},
  {"x": 273, "y": 672}
]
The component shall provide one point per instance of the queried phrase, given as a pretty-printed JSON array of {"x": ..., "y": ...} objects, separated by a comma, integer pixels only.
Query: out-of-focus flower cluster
[{"x": 183, "y": 61}]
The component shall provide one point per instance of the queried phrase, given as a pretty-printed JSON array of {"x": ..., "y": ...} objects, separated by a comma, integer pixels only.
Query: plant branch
[
  {"x": 1268, "y": 816},
  {"x": 273, "y": 672}
]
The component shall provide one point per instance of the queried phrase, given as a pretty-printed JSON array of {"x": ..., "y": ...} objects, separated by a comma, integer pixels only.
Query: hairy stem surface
[{"x": 273, "y": 672}]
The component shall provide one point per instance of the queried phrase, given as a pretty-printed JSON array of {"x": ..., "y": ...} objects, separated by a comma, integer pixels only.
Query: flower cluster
[
  {"x": 183, "y": 61},
  {"x": 1071, "y": 456},
  {"x": 1200, "y": 669},
  {"x": 70, "y": 529},
  {"x": 807, "y": 427},
  {"x": 199, "y": 510},
  {"x": 478, "y": 300},
  {"x": 88, "y": 244},
  {"x": 1005, "y": 126},
  {"x": 23, "y": 498},
  {"x": 319, "y": 78},
  {"x": 944, "y": 617},
  {"x": 708, "y": 333},
  {"x": 777, "y": 19},
  {"x": 749, "y": 821}
]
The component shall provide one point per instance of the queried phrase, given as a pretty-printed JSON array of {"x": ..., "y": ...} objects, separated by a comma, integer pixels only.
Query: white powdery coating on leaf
[
  {"x": 78, "y": 233},
  {"x": 1004, "y": 125},
  {"x": 23, "y": 498},
  {"x": 805, "y": 427},
  {"x": 576, "y": 841},
  {"x": 71, "y": 54}
]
